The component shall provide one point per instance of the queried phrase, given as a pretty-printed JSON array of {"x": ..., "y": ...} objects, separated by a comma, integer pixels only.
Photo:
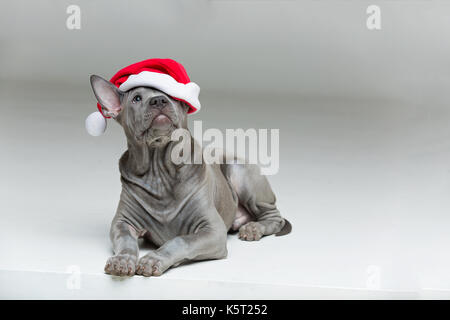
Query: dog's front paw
[
  {"x": 121, "y": 265},
  {"x": 252, "y": 231},
  {"x": 152, "y": 264}
]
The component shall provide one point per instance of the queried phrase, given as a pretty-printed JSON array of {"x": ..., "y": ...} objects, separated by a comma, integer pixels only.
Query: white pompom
[{"x": 95, "y": 124}]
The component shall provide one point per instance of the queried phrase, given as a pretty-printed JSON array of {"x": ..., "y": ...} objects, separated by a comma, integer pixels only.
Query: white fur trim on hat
[
  {"x": 188, "y": 92},
  {"x": 95, "y": 124}
]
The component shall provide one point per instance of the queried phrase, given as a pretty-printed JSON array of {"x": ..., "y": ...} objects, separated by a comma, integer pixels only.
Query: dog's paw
[
  {"x": 152, "y": 264},
  {"x": 121, "y": 265},
  {"x": 252, "y": 231}
]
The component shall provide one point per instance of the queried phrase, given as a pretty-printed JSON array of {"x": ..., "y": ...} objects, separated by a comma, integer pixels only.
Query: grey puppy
[{"x": 184, "y": 210}]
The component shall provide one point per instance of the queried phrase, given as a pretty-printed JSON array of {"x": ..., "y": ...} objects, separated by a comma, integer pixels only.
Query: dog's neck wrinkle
[
  {"x": 152, "y": 166},
  {"x": 138, "y": 159},
  {"x": 162, "y": 173},
  {"x": 152, "y": 169}
]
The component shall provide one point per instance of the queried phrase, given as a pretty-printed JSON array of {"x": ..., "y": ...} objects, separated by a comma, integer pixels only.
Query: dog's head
[{"x": 148, "y": 116}]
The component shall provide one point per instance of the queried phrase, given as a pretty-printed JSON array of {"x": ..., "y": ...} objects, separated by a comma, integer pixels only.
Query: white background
[{"x": 364, "y": 143}]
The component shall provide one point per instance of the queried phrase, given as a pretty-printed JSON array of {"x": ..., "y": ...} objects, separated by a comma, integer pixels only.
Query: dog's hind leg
[
  {"x": 257, "y": 198},
  {"x": 242, "y": 218}
]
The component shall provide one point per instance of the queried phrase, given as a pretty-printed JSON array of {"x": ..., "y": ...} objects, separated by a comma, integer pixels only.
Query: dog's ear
[{"x": 107, "y": 95}]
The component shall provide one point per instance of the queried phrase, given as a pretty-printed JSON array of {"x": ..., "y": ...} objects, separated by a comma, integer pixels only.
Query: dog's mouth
[
  {"x": 161, "y": 121},
  {"x": 159, "y": 129}
]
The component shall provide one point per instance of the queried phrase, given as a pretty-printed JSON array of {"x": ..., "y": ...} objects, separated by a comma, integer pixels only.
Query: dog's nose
[{"x": 158, "y": 101}]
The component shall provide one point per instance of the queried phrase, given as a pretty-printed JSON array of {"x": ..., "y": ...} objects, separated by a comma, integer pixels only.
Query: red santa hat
[{"x": 166, "y": 75}]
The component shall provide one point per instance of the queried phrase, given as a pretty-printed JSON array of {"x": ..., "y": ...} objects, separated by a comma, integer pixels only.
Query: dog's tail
[{"x": 287, "y": 228}]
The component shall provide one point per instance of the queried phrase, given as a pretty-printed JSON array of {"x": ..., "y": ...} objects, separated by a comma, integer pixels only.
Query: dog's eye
[{"x": 137, "y": 98}]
